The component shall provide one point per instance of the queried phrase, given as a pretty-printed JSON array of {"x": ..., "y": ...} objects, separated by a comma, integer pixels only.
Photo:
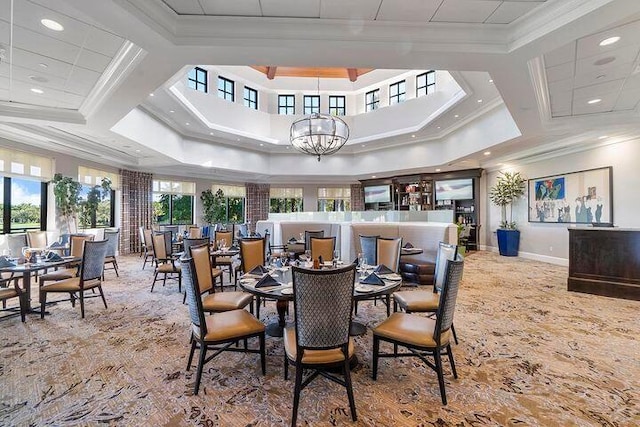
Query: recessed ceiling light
[
  {"x": 261, "y": 145},
  {"x": 373, "y": 176},
  {"x": 439, "y": 127},
  {"x": 137, "y": 151},
  {"x": 438, "y": 170},
  {"x": 486, "y": 153},
  {"x": 610, "y": 41},
  {"x": 603, "y": 137},
  {"x": 594, "y": 101},
  {"x": 237, "y": 139},
  {"x": 187, "y": 123},
  {"x": 490, "y": 80},
  {"x": 210, "y": 133},
  {"x": 479, "y": 101},
  {"x": 413, "y": 136},
  {"x": 52, "y": 25},
  {"x": 36, "y": 90},
  {"x": 456, "y": 116},
  {"x": 288, "y": 147},
  {"x": 171, "y": 111},
  {"x": 151, "y": 94},
  {"x": 38, "y": 79},
  {"x": 43, "y": 65},
  {"x": 363, "y": 145}
]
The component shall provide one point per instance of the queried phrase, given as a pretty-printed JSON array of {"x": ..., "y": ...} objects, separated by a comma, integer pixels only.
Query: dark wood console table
[{"x": 605, "y": 261}]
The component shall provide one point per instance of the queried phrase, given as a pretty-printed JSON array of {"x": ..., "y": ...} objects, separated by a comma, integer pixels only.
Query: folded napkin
[
  {"x": 258, "y": 271},
  {"x": 293, "y": 240},
  {"x": 355, "y": 261},
  {"x": 53, "y": 257},
  {"x": 372, "y": 279},
  {"x": 56, "y": 245},
  {"x": 383, "y": 269},
  {"x": 234, "y": 247},
  {"x": 267, "y": 281},
  {"x": 408, "y": 245},
  {"x": 4, "y": 262}
]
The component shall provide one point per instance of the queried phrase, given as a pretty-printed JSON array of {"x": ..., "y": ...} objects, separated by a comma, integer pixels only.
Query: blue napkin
[
  {"x": 267, "y": 281},
  {"x": 293, "y": 240},
  {"x": 259, "y": 271},
  {"x": 408, "y": 245},
  {"x": 53, "y": 257},
  {"x": 4, "y": 262},
  {"x": 383, "y": 269},
  {"x": 234, "y": 247},
  {"x": 372, "y": 279}
]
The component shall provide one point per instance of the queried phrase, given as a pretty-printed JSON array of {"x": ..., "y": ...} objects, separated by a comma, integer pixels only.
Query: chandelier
[{"x": 319, "y": 134}]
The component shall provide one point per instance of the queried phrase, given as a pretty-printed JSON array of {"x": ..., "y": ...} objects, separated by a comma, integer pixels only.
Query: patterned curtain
[
  {"x": 137, "y": 208},
  {"x": 357, "y": 197}
]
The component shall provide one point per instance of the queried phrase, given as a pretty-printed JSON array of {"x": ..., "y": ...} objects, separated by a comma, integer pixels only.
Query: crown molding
[
  {"x": 538, "y": 75},
  {"x": 17, "y": 112}
]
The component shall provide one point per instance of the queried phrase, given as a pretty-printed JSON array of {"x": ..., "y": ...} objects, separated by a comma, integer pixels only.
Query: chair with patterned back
[
  {"x": 320, "y": 338},
  {"x": 323, "y": 247},
  {"x": 111, "y": 236},
  {"x": 424, "y": 336},
  {"x": 195, "y": 232},
  {"x": 369, "y": 248},
  {"x": 226, "y": 237},
  {"x": 219, "y": 331},
  {"x": 90, "y": 277},
  {"x": 206, "y": 275},
  {"x": 148, "y": 249},
  {"x": 37, "y": 239},
  {"x": 427, "y": 301},
  {"x": 308, "y": 235},
  {"x": 165, "y": 264},
  {"x": 189, "y": 243}
]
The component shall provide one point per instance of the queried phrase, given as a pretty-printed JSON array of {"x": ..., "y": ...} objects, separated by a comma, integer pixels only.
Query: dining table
[
  {"x": 283, "y": 293},
  {"x": 28, "y": 268}
]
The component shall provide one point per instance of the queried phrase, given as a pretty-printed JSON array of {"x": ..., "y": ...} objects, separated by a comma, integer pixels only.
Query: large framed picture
[{"x": 583, "y": 197}]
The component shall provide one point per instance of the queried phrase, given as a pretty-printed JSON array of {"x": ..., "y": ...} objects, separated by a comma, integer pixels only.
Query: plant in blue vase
[{"x": 508, "y": 189}]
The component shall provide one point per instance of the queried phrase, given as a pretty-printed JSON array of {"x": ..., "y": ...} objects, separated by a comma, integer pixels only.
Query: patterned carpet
[{"x": 530, "y": 354}]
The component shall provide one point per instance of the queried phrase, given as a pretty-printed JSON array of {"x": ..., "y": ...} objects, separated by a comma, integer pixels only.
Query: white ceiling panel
[
  {"x": 465, "y": 11},
  {"x": 581, "y": 107},
  {"x": 602, "y": 90},
  {"x": 633, "y": 82},
  {"x": 232, "y": 8},
  {"x": 589, "y": 46},
  {"x": 566, "y": 53},
  {"x": 61, "y": 6},
  {"x": 509, "y": 11},
  {"x": 81, "y": 81},
  {"x": 603, "y": 75},
  {"x": 93, "y": 61},
  {"x": 628, "y": 100},
  {"x": 408, "y": 10},
  {"x": 103, "y": 42},
  {"x": 38, "y": 43},
  {"x": 291, "y": 8},
  {"x": 32, "y": 61},
  {"x": 560, "y": 72},
  {"x": 561, "y": 101},
  {"x": 614, "y": 58},
  {"x": 354, "y": 9},
  {"x": 27, "y": 76},
  {"x": 185, "y": 7}
]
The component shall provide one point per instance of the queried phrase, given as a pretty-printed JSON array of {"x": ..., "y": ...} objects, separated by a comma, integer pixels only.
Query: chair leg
[
  {"x": 115, "y": 267},
  {"x": 438, "y": 360},
  {"x": 453, "y": 364},
  {"x": 296, "y": 394},
  {"x": 347, "y": 380},
  {"x": 23, "y": 306},
  {"x": 43, "y": 302},
  {"x": 104, "y": 301},
  {"x": 388, "y": 298},
  {"x": 395, "y": 306},
  {"x": 193, "y": 349},
  {"x": 82, "y": 304},
  {"x": 286, "y": 366},
  {"x": 155, "y": 278},
  {"x": 355, "y": 308},
  {"x": 376, "y": 350},
  {"x": 203, "y": 353},
  {"x": 263, "y": 354},
  {"x": 455, "y": 337},
  {"x": 257, "y": 306}
]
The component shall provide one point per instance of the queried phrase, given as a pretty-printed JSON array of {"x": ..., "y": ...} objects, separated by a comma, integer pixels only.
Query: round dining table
[{"x": 283, "y": 293}]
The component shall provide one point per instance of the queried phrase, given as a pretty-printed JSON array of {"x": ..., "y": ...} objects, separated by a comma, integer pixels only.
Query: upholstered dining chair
[
  {"x": 148, "y": 248},
  {"x": 143, "y": 244},
  {"x": 227, "y": 237},
  {"x": 15, "y": 243},
  {"x": 369, "y": 248},
  {"x": 111, "y": 236},
  {"x": 388, "y": 252},
  {"x": 195, "y": 232},
  {"x": 37, "y": 239},
  {"x": 252, "y": 255},
  {"x": 192, "y": 242},
  {"x": 90, "y": 277},
  {"x": 319, "y": 339},
  {"x": 206, "y": 275},
  {"x": 219, "y": 331},
  {"x": 323, "y": 247},
  {"x": 9, "y": 288},
  {"x": 165, "y": 264},
  {"x": 424, "y": 336},
  {"x": 72, "y": 269},
  {"x": 308, "y": 235},
  {"x": 427, "y": 301}
]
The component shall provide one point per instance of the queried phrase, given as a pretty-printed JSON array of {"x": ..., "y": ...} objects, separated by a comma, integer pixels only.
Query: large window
[
  {"x": 225, "y": 89},
  {"x": 372, "y": 100},
  {"x": 234, "y": 199},
  {"x": 397, "y": 92},
  {"x": 23, "y": 190},
  {"x": 97, "y": 204},
  {"x": 334, "y": 199},
  {"x": 173, "y": 202},
  {"x": 337, "y": 106},
  {"x": 286, "y": 104},
  {"x": 425, "y": 83},
  {"x": 250, "y": 98},
  {"x": 311, "y": 104},
  {"x": 285, "y": 200},
  {"x": 197, "y": 79}
]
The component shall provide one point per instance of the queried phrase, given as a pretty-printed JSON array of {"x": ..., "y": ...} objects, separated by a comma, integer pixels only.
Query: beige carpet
[{"x": 530, "y": 353}]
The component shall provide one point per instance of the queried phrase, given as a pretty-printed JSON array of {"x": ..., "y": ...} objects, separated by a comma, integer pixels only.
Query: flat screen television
[
  {"x": 454, "y": 189},
  {"x": 377, "y": 194}
]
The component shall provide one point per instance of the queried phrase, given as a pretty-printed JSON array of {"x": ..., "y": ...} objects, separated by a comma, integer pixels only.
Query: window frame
[
  {"x": 374, "y": 103},
  {"x": 311, "y": 109},
  {"x": 6, "y": 206},
  {"x": 248, "y": 102},
  {"x": 399, "y": 96},
  {"x": 337, "y": 110},
  {"x": 428, "y": 88},
  {"x": 285, "y": 106},
  {"x": 333, "y": 200},
  {"x": 197, "y": 82},
  {"x": 225, "y": 92}
]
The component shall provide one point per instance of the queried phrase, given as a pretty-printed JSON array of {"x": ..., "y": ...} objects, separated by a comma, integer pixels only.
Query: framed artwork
[{"x": 584, "y": 197}]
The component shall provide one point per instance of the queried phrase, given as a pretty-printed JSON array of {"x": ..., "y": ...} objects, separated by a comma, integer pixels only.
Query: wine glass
[{"x": 336, "y": 256}]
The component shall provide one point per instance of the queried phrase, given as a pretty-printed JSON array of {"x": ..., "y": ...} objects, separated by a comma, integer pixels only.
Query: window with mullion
[
  {"x": 286, "y": 104},
  {"x": 426, "y": 83},
  {"x": 397, "y": 92},
  {"x": 250, "y": 98},
  {"x": 372, "y": 100},
  {"x": 173, "y": 208},
  {"x": 311, "y": 104},
  {"x": 225, "y": 89},
  {"x": 337, "y": 106},
  {"x": 197, "y": 79}
]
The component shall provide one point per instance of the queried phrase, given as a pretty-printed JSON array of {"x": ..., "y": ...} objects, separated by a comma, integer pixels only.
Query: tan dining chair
[
  {"x": 111, "y": 236},
  {"x": 252, "y": 255},
  {"x": 220, "y": 331},
  {"x": 195, "y": 232},
  {"x": 308, "y": 235},
  {"x": 424, "y": 336},
  {"x": 165, "y": 264},
  {"x": 323, "y": 247},
  {"x": 9, "y": 289},
  {"x": 148, "y": 247},
  {"x": 71, "y": 269},
  {"x": 37, "y": 239},
  {"x": 388, "y": 254}
]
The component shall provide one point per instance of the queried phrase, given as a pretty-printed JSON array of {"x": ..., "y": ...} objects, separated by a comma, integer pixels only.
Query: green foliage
[
  {"x": 67, "y": 196},
  {"x": 181, "y": 209},
  {"x": 97, "y": 197},
  {"x": 509, "y": 187},
  {"x": 214, "y": 207}
]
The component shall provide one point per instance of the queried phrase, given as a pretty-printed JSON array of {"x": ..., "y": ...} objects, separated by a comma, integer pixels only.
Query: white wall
[{"x": 550, "y": 241}]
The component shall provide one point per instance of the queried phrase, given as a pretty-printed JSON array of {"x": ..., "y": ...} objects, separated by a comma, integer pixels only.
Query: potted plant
[
  {"x": 509, "y": 187},
  {"x": 67, "y": 196}
]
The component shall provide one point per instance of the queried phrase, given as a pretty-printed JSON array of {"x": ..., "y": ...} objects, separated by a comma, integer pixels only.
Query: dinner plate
[
  {"x": 286, "y": 291},
  {"x": 364, "y": 289}
]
